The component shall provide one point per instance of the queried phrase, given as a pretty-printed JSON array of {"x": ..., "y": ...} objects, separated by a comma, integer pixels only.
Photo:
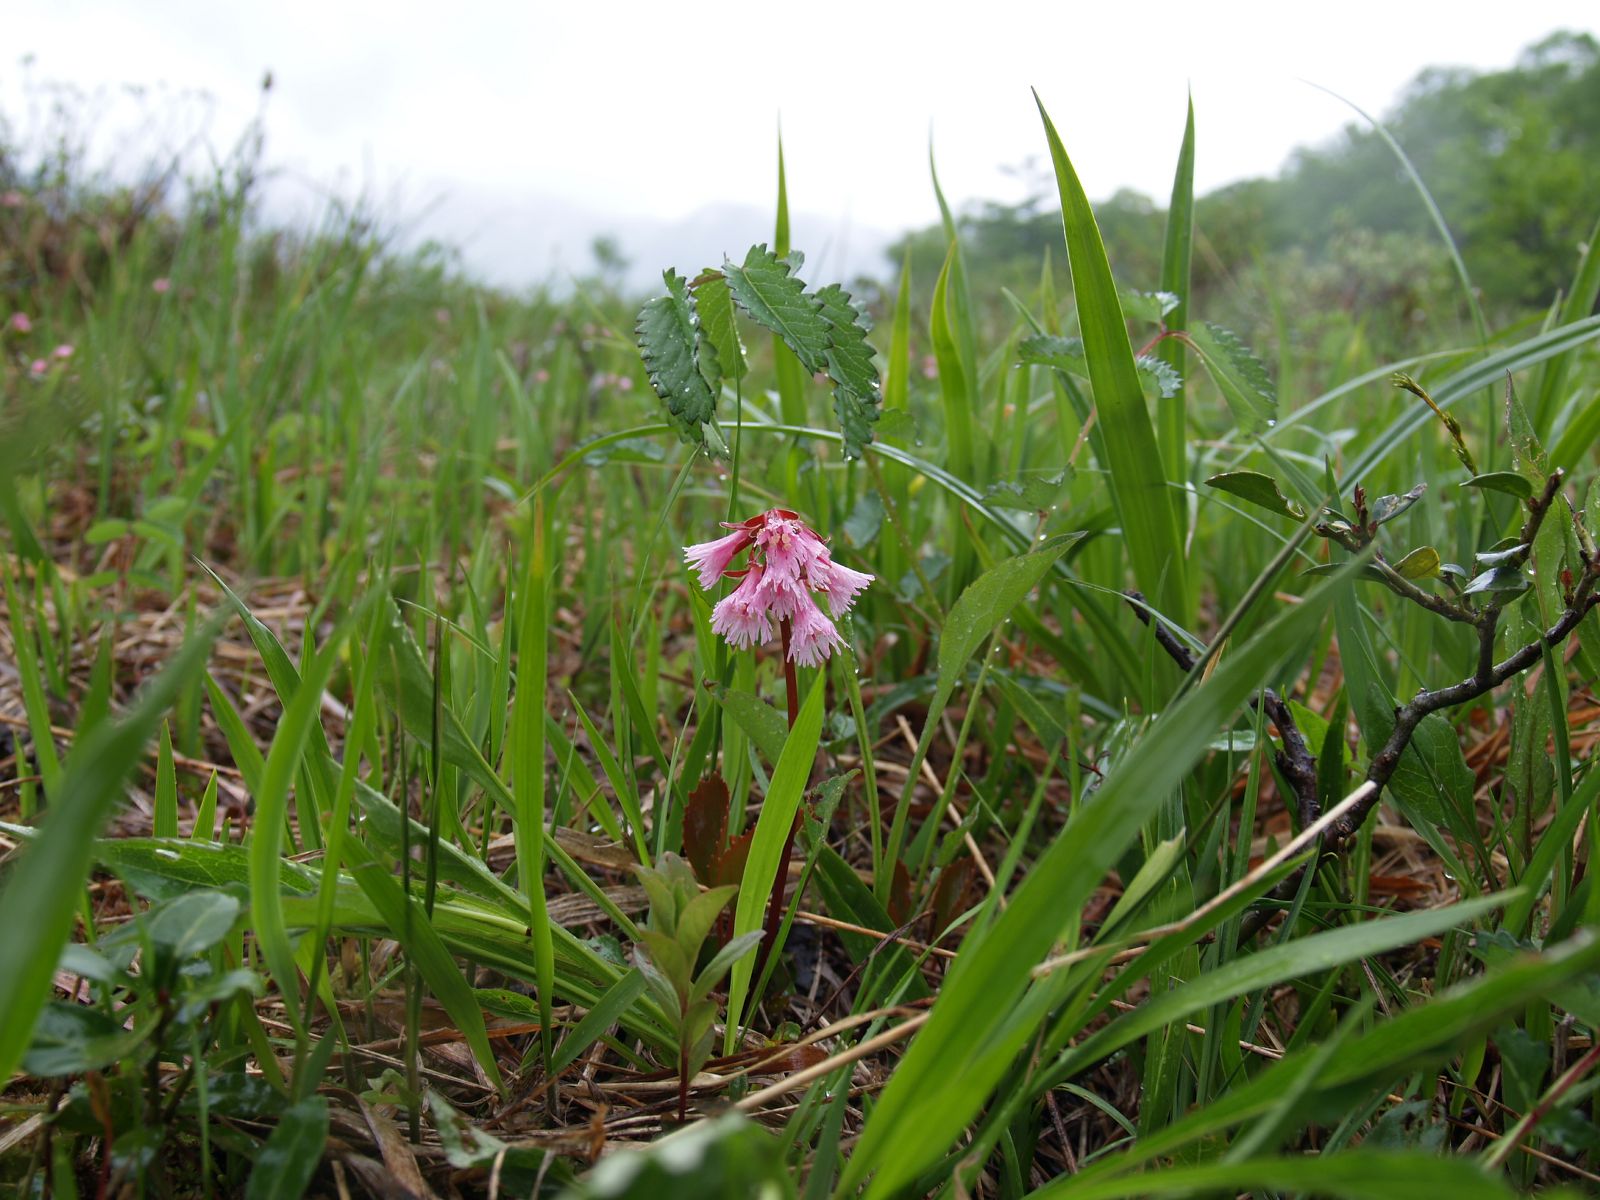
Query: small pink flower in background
[
  {"x": 38, "y": 366},
  {"x": 63, "y": 351},
  {"x": 625, "y": 383},
  {"x": 541, "y": 376},
  {"x": 20, "y": 323},
  {"x": 12, "y": 199},
  {"x": 161, "y": 286},
  {"x": 930, "y": 367},
  {"x": 789, "y": 565}
]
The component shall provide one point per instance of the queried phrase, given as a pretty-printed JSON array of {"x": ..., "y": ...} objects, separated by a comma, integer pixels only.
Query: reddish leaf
[
  {"x": 728, "y": 865},
  {"x": 950, "y": 893},
  {"x": 705, "y": 825},
  {"x": 900, "y": 896}
]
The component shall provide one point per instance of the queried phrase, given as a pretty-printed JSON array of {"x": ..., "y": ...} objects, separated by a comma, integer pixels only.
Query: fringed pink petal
[{"x": 712, "y": 558}]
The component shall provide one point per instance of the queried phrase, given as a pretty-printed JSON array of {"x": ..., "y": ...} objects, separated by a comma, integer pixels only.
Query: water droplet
[{"x": 1271, "y": 421}]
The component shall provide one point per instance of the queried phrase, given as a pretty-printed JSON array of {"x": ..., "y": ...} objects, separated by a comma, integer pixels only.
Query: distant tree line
[{"x": 1512, "y": 158}]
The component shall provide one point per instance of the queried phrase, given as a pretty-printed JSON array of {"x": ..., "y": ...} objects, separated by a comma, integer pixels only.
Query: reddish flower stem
[{"x": 775, "y": 903}]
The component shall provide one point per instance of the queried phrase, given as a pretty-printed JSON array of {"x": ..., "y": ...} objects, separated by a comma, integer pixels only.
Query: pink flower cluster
[{"x": 788, "y": 563}]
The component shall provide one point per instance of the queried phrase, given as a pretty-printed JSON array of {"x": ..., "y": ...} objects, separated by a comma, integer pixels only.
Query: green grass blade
[
  {"x": 1138, "y": 484},
  {"x": 528, "y": 769},
  {"x": 935, "y": 1090},
  {"x": 39, "y": 899},
  {"x": 1172, "y": 418},
  {"x": 766, "y": 847}
]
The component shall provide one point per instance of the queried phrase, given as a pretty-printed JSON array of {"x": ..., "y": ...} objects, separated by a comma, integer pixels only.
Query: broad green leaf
[
  {"x": 193, "y": 923},
  {"x": 1260, "y": 490},
  {"x": 762, "y": 724},
  {"x": 1512, "y": 483},
  {"x": 1238, "y": 374},
  {"x": 726, "y": 1157},
  {"x": 988, "y": 601},
  {"x": 292, "y": 1153},
  {"x": 1151, "y": 530},
  {"x": 70, "y": 1039},
  {"x": 1501, "y": 582},
  {"x": 1387, "y": 508},
  {"x": 1421, "y": 563},
  {"x": 669, "y": 343}
]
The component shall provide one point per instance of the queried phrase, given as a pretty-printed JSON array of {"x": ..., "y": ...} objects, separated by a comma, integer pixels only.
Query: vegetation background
[{"x": 366, "y": 746}]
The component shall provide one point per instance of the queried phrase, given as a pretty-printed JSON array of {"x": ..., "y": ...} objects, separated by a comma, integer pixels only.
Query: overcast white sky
[{"x": 531, "y": 127}]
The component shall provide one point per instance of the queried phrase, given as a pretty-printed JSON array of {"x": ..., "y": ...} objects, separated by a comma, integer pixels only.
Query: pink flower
[
  {"x": 789, "y": 566},
  {"x": 38, "y": 366},
  {"x": 740, "y": 616},
  {"x": 20, "y": 323},
  {"x": 12, "y": 199},
  {"x": 815, "y": 637},
  {"x": 161, "y": 286},
  {"x": 63, "y": 351},
  {"x": 712, "y": 559}
]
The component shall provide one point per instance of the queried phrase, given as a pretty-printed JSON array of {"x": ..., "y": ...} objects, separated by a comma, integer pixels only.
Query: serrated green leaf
[
  {"x": 766, "y": 287},
  {"x": 1421, "y": 563},
  {"x": 1165, "y": 378},
  {"x": 713, "y": 308},
  {"x": 1260, "y": 490},
  {"x": 1238, "y": 373},
  {"x": 1147, "y": 306},
  {"x": 1510, "y": 482},
  {"x": 856, "y": 395},
  {"x": 669, "y": 343},
  {"x": 1048, "y": 350},
  {"x": 1032, "y": 493}
]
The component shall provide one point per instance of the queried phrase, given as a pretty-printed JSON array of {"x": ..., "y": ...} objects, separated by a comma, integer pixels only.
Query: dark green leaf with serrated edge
[
  {"x": 1045, "y": 350},
  {"x": 1167, "y": 381},
  {"x": 767, "y": 289},
  {"x": 1509, "y": 482},
  {"x": 1032, "y": 493},
  {"x": 669, "y": 341},
  {"x": 713, "y": 306},
  {"x": 1146, "y": 306},
  {"x": 1387, "y": 508},
  {"x": 1238, "y": 374},
  {"x": 856, "y": 396},
  {"x": 1260, "y": 490}
]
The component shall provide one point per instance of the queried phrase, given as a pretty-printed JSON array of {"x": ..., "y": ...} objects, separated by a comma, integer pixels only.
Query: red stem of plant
[{"x": 775, "y": 904}]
